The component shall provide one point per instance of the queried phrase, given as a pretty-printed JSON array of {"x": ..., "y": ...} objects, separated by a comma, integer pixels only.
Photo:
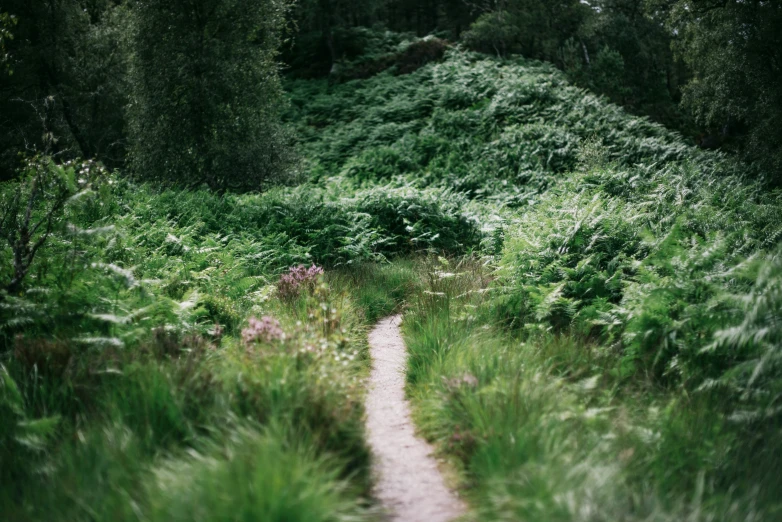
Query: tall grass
[
  {"x": 128, "y": 391},
  {"x": 542, "y": 429},
  {"x": 184, "y": 426}
]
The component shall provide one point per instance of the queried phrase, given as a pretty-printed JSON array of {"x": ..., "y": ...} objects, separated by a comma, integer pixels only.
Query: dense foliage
[
  {"x": 592, "y": 305},
  {"x": 622, "y": 256},
  {"x": 544, "y": 426},
  {"x": 205, "y": 93},
  {"x": 643, "y": 247},
  {"x": 72, "y": 80},
  {"x": 499, "y": 130},
  {"x": 177, "y": 84},
  {"x": 68, "y": 89},
  {"x": 123, "y": 348},
  {"x": 642, "y": 54}
]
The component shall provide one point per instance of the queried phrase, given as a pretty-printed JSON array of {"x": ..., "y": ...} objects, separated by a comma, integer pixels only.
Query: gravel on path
[{"x": 408, "y": 481}]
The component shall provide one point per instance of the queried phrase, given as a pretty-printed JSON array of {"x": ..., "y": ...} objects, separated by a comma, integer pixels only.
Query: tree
[
  {"x": 734, "y": 50},
  {"x": 323, "y": 32},
  {"x": 68, "y": 89},
  {"x": 206, "y": 93},
  {"x": 6, "y": 22},
  {"x": 30, "y": 210},
  {"x": 623, "y": 52},
  {"x": 533, "y": 28}
]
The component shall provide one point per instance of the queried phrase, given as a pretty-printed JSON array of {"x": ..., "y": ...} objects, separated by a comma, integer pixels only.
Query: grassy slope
[
  {"x": 589, "y": 372},
  {"x": 499, "y": 130}
]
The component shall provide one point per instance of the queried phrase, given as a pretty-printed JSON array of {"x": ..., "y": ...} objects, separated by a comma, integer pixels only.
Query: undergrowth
[
  {"x": 608, "y": 350},
  {"x": 622, "y": 254},
  {"x": 543, "y": 428},
  {"x": 127, "y": 389},
  {"x": 495, "y": 130}
]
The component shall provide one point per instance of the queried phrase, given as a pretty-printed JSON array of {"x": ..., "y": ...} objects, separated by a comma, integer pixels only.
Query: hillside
[
  {"x": 486, "y": 127},
  {"x": 629, "y": 283},
  {"x": 591, "y": 308}
]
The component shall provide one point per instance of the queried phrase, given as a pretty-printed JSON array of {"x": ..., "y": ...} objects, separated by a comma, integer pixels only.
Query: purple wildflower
[
  {"x": 296, "y": 279},
  {"x": 265, "y": 329}
]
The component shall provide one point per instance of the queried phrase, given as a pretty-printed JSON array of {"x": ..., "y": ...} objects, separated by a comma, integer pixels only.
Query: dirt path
[{"x": 409, "y": 484}]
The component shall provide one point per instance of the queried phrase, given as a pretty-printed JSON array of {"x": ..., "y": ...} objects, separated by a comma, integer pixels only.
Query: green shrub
[
  {"x": 496, "y": 33},
  {"x": 420, "y": 53},
  {"x": 415, "y": 220},
  {"x": 499, "y": 130},
  {"x": 645, "y": 260},
  {"x": 33, "y": 207},
  {"x": 532, "y": 28}
]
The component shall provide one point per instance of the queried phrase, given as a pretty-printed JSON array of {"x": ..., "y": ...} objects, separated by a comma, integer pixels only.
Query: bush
[
  {"x": 533, "y": 28},
  {"x": 412, "y": 221},
  {"x": 625, "y": 257},
  {"x": 495, "y": 33},
  {"x": 497, "y": 130},
  {"x": 420, "y": 53},
  {"x": 32, "y": 208}
]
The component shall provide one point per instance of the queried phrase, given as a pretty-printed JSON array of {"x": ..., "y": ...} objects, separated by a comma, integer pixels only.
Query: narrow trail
[{"x": 409, "y": 483}]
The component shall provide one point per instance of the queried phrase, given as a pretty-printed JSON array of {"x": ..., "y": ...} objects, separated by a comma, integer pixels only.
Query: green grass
[
  {"x": 271, "y": 480},
  {"x": 182, "y": 426},
  {"x": 542, "y": 430},
  {"x": 383, "y": 290}
]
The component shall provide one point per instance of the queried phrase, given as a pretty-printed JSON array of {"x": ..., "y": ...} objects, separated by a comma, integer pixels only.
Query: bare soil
[{"x": 408, "y": 481}]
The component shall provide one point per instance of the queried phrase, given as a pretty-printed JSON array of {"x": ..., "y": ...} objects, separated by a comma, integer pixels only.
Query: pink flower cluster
[
  {"x": 297, "y": 278},
  {"x": 265, "y": 329}
]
